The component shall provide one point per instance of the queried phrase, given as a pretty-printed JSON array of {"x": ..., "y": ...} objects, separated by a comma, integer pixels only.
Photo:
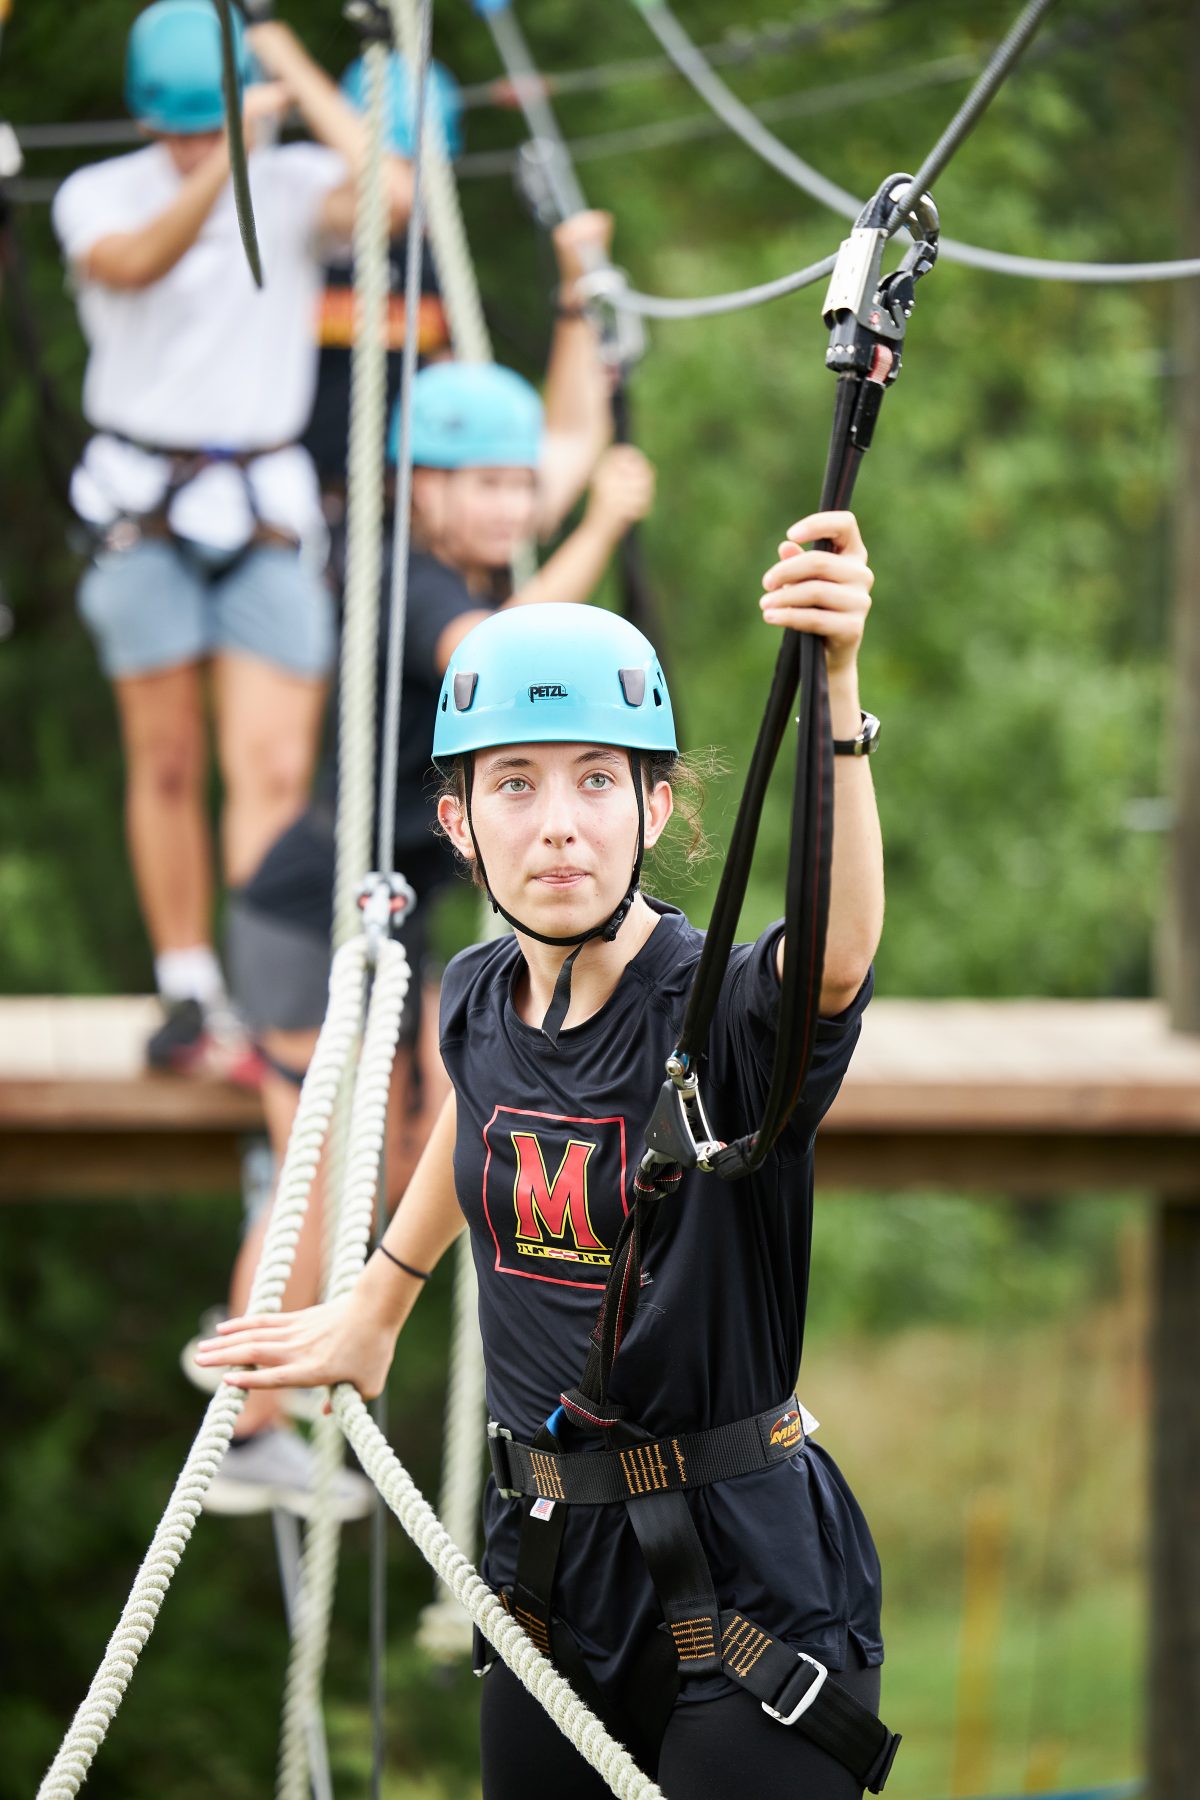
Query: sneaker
[
  {"x": 307, "y": 1404},
  {"x": 278, "y": 1468},
  {"x": 211, "y": 1041}
]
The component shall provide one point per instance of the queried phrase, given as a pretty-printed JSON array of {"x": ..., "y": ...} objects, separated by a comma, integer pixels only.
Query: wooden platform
[{"x": 1039, "y": 1097}]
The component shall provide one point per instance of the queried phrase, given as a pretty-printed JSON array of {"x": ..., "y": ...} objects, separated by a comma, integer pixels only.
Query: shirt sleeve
[
  {"x": 90, "y": 204},
  {"x": 744, "y": 1036},
  {"x": 306, "y": 173},
  {"x": 437, "y": 595}
]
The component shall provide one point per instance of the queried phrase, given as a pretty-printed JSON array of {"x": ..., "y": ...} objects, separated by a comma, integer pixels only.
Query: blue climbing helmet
[
  {"x": 173, "y": 66},
  {"x": 553, "y": 674},
  {"x": 443, "y": 98},
  {"x": 471, "y": 416},
  {"x": 556, "y": 674}
]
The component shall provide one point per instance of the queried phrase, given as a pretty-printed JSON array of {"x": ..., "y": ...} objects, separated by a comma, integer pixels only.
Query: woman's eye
[
  {"x": 513, "y": 784},
  {"x": 598, "y": 779}
]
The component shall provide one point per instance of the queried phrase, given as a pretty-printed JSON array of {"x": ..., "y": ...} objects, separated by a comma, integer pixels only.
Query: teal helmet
[
  {"x": 442, "y": 98},
  {"x": 471, "y": 416},
  {"x": 556, "y": 674},
  {"x": 553, "y": 674},
  {"x": 173, "y": 66}
]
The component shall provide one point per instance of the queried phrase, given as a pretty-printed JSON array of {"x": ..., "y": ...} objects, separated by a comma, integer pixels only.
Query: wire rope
[{"x": 690, "y": 62}]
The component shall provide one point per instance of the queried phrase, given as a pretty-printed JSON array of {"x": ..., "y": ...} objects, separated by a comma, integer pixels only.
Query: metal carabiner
[
  {"x": 622, "y": 333},
  {"x": 865, "y": 308}
]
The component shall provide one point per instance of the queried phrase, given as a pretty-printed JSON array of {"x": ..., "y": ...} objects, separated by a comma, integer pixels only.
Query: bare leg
[
  {"x": 268, "y": 730},
  {"x": 280, "y": 1099},
  {"x": 162, "y": 727}
]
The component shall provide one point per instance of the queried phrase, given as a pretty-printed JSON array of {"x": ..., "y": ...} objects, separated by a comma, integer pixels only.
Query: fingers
[
  {"x": 840, "y": 527},
  {"x": 823, "y": 566},
  {"x": 816, "y": 597}
]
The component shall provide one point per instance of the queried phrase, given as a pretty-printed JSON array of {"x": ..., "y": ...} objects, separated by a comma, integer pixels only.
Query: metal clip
[
  {"x": 383, "y": 900},
  {"x": 622, "y": 333},
  {"x": 370, "y": 18},
  {"x": 864, "y": 308},
  {"x": 679, "y": 1131},
  {"x": 495, "y": 1432}
]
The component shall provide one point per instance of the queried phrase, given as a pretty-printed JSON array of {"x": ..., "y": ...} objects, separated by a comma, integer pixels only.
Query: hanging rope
[
  {"x": 691, "y": 63},
  {"x": 138, "y": 1617},
  {"x": 364, "y": 1141}
]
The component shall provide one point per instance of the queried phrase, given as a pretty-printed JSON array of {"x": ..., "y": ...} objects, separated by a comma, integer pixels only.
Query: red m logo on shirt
[
  {"x": 539, "y": 1202},
  {"x": 554, "y": 1194}
]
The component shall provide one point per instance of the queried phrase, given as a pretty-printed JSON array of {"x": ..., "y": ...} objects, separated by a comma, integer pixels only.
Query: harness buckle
[
  {"x": 499, "y": 1456},
  {"x": 807, "y": 1697}
]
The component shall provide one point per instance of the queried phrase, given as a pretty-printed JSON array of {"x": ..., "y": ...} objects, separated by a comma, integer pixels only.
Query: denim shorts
[{"x": 160, "y": 605}]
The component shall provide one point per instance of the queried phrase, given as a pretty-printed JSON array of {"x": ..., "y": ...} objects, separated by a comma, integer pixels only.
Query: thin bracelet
[{"x": 417, "y": 1274}]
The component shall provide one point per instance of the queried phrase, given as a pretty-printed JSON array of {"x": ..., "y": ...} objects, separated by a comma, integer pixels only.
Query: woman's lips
[{"x": 561, "y": 878}]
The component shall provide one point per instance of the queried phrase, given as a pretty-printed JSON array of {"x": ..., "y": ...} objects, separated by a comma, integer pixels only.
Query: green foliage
[{"x": 1017, "y": 509}]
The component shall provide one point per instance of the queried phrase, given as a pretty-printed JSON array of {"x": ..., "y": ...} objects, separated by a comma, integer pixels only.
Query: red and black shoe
[{"x": 210, "y": 1042}]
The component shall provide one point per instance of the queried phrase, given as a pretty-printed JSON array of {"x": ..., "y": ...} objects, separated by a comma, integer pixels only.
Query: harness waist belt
[{"x": 674, "y": 1464}]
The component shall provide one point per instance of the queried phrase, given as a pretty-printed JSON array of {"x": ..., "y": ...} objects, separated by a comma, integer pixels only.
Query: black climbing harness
[{"x": 866, "y": 313}]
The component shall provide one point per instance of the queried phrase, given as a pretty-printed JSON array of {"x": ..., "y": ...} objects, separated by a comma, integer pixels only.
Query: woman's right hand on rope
[
  {"x": 622, "y": 490},
  {"x": 317, "y": 1347}
]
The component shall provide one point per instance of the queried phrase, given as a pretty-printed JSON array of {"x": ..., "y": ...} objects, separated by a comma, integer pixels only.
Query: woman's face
[
  {"x": 476, "y": 518},
  {"x": 557, "y": 826}
]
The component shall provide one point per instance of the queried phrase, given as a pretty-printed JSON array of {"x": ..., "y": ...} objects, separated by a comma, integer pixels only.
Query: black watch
[{"x": 865, "y": 744}]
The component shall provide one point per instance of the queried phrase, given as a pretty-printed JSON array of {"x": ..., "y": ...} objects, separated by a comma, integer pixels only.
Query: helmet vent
[
  {"x": 464, "y": 690},
  {"x": 657, "y": 697},
  {"x": 633, "y": 686}
]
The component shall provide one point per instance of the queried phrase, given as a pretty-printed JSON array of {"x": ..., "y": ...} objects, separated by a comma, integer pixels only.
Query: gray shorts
[{"x": 160, "y": 606}]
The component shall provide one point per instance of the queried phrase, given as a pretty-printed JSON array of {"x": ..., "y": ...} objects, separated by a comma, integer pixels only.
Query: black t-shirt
[
  {"x": 547, "y": 1144},
  {"x": 294, "y": 881},
  {"x": 326, "y": 435}
]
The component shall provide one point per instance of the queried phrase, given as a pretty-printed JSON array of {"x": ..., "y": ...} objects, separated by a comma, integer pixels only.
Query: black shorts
[{"x": 278, "y": 928}]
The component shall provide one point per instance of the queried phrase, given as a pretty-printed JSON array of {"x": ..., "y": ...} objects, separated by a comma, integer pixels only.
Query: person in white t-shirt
[{"x": 208, "y": 573}]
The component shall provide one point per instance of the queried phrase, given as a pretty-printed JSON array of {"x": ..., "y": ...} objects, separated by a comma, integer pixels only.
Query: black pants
[{"x": 715, "y": 1750}]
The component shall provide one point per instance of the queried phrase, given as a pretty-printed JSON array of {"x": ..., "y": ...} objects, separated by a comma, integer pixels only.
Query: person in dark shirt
[
  {"x": 555, "y": 738},
  {"x": 489, "y": 473},
  {"x": 326, "y": 436}
]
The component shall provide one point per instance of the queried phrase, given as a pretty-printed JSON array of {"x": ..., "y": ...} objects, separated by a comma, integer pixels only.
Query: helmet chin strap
[{"x": 607, "y": 929}]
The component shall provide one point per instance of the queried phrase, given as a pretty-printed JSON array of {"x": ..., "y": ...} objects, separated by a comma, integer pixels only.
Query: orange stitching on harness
[
  {"x": 546, "y": 1475},
  {"x": 644, "y": 1469},
  {"x": 742, "y": 1644},
  {"x": 694, "y": 1639},
  {"x": 535, "y": 1628}
]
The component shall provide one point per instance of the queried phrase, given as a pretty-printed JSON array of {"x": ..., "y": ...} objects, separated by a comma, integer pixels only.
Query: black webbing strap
[
  {"x": 795, "y": 1689},
  {"x": 682, "y": 1462}
]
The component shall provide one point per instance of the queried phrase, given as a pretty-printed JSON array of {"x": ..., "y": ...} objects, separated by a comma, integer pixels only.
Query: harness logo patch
[
  {"x": 548, "y": 690},
  {"x": 787, "y": 1432},
  {"x": 554, "y": 1194}
]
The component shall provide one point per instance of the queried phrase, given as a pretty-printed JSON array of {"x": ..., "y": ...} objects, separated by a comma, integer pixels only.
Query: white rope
[
  {"x": 452, "y": 253},
  {"x": 364, "y": 1141},
  {"x": 364, "y": 516},
  {"x": 90, "y": 1724},
  {"x": 536, "y": 1672},
  {"x": 355, "y": 835},
  {"x": 444, "y": 1631}
]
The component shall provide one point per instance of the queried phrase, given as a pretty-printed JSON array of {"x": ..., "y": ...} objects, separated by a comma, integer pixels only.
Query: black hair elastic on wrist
[{"x": 417, "y": 1274}]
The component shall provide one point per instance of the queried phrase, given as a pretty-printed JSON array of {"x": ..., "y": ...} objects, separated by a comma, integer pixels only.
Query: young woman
[
  {"x": 479, "y": 487},
  {"x": 208, "y": 576},
  {"x": 554, "y": 733}
]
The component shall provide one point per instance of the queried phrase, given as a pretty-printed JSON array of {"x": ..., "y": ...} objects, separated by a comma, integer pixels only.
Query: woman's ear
[
  {"x": 452, "y": 817},
  {"x": 660, "y": 804}
]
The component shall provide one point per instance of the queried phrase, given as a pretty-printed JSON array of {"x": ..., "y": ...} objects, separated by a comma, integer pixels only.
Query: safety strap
[
  {"x": 681, "y": 1462},
  {"x": 651, "y": 1477}
]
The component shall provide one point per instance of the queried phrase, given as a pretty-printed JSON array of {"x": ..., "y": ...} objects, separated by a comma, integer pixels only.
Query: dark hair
[{"x": 683, "y": 846}]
